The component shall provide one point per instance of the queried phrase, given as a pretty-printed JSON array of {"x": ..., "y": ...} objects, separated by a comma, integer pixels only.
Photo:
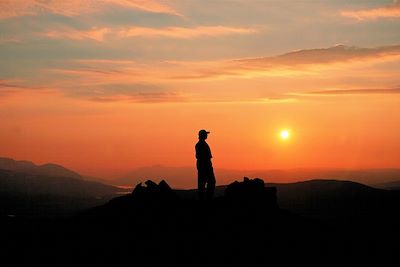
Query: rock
[
  {"x": 153, "y": 193},
  {"x": 251, "y": 192}
]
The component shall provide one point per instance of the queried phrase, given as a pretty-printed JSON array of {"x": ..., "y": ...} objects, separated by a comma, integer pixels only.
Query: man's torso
[{"x": 203, "y": 155}]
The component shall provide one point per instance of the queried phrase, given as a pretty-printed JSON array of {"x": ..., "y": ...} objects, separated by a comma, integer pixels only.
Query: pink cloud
[
  {"x": 100, "y": 34},
  {"x": 140, "y": 97},
  {"x": 182, "y": 32},
  {"x": 338, "y": 53},
  {"x": 148, "y": 5},
  {"x": 302, "y": 62},
  {"x": 96, "y": 34},
  {"x": 294, "y": 64},
  {"x": 16, "y": 8},
  {"x": 105, "y": 80},
  {"x": 14, "y": 86},
  {"x": 354, "y": 92},
  {"x": 5, "y": 40},
  {"x": 392, "y": 11}
]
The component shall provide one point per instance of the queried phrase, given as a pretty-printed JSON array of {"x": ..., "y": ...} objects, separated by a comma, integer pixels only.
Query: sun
[{"x": 284, "y": 134}]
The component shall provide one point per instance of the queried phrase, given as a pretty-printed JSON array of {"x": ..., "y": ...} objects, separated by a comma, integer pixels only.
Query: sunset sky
[{"x": 107, "y": 86}]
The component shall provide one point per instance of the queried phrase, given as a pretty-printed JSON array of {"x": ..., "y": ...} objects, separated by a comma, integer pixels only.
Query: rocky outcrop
[
  {"x": 251, "y": 193},
  {"x": 154, "y": 193}
]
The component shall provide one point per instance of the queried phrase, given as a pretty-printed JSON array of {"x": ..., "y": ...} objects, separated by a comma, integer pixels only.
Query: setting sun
[{"x": 284, "y": 134}]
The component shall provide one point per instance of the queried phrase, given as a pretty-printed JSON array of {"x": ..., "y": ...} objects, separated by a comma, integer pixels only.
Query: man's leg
[
  {"x": 201, "y": 184},
  {"x": 210, "y": 184}
]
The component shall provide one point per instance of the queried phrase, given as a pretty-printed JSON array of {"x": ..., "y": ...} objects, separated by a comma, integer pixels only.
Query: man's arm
[{"x": 209, "y": 151}]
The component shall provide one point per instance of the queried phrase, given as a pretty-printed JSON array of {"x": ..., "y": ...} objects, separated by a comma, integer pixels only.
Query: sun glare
[{"x": 285, "y": 134}]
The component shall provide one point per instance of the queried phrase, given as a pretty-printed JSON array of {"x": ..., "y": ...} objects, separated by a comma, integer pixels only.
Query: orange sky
[{"x": 108, "y": 88}]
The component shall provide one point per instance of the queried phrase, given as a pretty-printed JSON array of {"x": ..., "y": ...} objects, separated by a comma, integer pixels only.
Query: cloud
[
  {"x": 252, "y": 79},
  {"x": 5, "y": 84},
  {"x": 142, "y": 97},
  {"x": 100, "y": 34},
  {"x": 13, "y": 85},
  {"x": 131, "y": 92},
  {"x": 128, "y": 81},
  {"x": 354, "y": 92},
  {"x": 112, "y": 92},
  {"x": 104, "y": 61},
  {"x": 95, "y": 34},
  {"x": 392, "y": 11},
  {"x": 338, "y": 53},
  {"x": 16, "y": 8},
  {"x": 302, "y": 62},
  {"x": 7, "y": 40},
  {"x": 183, "y": 33},
  {"x": 99, "y": 73},
  {"x": 9, "y": 87},
  {"x": 147, "y": 5}
]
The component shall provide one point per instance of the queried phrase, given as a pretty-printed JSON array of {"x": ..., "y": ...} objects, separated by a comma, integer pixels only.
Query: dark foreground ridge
[
  {"x": 155, "y": 226},
  {"x": 247, "y": 195}
]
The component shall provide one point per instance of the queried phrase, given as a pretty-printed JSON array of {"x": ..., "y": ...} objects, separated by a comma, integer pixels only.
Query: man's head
[{"x": 203, "y": 134}]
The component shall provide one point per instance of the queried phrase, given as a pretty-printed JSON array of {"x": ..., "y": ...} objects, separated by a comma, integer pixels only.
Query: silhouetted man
[{"x": 204, "y": 167}]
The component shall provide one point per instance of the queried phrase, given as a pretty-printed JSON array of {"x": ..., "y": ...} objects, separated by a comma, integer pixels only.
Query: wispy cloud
[
  {"x": 100, "y": 34},
  {"x": 338, "y": 53},
  {"x": 184, "y": 33},
  {"x": 9, "y": 84},
  {"x": 5, "y": 40},
  {"x": 6, "y": 84},
  {"x": 16, "y": 8},
  {"x": 95, "y": 34},
  {"x": 353, "y": 92},
  {"x": 392, "y": 11},
  {"x": 110, "y": 80},
  {"x": 93, "y": 73},
  {"x": 100, "y": 92},
  {"x": 301, "y": 62},
  {"x": 154, "y": 6},
  {"x": 9, "y": 87},
  {"x": 140, "y": 97}
]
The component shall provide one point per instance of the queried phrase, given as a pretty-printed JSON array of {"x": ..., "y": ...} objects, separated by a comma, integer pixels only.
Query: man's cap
[{"x": 201, "y": 132}]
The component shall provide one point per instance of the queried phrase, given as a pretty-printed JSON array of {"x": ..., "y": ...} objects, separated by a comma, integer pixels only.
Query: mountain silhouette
[
  {"x": 244, "y": 225},
  {"x": 156, "y": 225},
  {"x": 326, "y": 199},
  {"x": 335, "y": 199},
  {"x": 185, "y": 177},
  {"x": 246, "y": 194},
  {"x": 33, "y": 194},
  {"x": 391, "y": 185},
  {"x": 49, "y": 169}
]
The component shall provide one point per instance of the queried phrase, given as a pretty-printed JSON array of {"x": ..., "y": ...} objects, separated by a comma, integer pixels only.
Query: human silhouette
[{"x": 204, "y": 167}]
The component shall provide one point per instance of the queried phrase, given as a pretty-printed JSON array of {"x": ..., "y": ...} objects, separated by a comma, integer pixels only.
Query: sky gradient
[{"x": 104, "y": 87}]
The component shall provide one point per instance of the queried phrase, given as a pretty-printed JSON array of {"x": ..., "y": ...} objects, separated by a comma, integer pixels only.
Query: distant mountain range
[
  {"x": 49, "y": 169},
  {"x": 186, "y": 177},
  {"x": 326, "y": 199},
  {"x": 329, "y": 221},
  {"x": 49, "y": 189},
  {"x": 391, "y": 185},
  {"x": 316, "y": 222},
  {"x": 42, "y": 195}
]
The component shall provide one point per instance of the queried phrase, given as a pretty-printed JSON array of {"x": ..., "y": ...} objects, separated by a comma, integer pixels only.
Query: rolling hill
[
  {"x": 327, "y": 199},
  {"x": 49, "y": 169},
  {"x": 42, "y": 195}
]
